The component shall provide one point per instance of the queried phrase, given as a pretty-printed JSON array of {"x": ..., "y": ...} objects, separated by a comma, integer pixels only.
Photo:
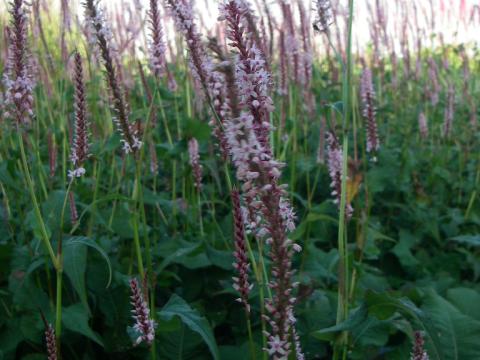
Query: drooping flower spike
[
  {"x": 419, "y": 352},
  {"x": 79, "y": 152},
  {"x": 323, "y": 15},
  {"x": 268, "y": 213},
  {"x": 195, "y": 162},
  {"x": 368, "y": 99},
  {"x": 51, "y": 342},
  {"x": 144, "y": 325},
  {"x": 335, "y": 170},
  {"x": 130, "y": 139},
  {"x": 241, "y": 264},
  {"x": 18, "y": 80},
  {"x": 157, "y": 48}
]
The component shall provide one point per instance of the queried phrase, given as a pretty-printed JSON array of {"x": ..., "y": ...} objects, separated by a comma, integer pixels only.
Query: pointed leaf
[
  {"x": 176, "y": 306},
  {"x": 75, "y": 318}
]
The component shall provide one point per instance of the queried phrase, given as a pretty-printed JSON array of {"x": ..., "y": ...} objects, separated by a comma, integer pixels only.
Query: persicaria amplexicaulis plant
[
  {"x": 323, "y": 15},
  {"x": 79, "y": 152},
  {"x": 144, "y": 325},
  {"x": 368, "y": 98},
  {"x": 335, "y": 170},
  {"x": 419, "y": 352},
  {"x": 321, "y": 141},
  {"x": 195, "y": 162},
  {"x": 130, "y": 139},
  {"x": 200, "y": 64},
  {"x": 18, "y": 80},
  {"x": 449, "y": 111},
  {"x": 209, "y": 80},
  {"x": 51, "y": 343},
  {"x": 269, "y": 214},
  {"x": 422, "y": 125},
  {"x": 241, "y": 264},
  {"x": 73, "y": 208},
  {"x": 157, "y": 46}
]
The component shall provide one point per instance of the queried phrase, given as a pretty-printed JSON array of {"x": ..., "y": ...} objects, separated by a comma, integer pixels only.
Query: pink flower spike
[{"x": 144, "y": 326}]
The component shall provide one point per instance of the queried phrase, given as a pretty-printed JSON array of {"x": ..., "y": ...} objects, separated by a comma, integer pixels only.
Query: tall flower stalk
[
  {"x": 195, "y": 162},
  {"x": 368, "y": 98},
  {"x": 269, "y": 214},
  {"x": 241, "y": 264},
  {"x": 157, "y": 46},
  {"x": 323, "y": 15},
  {"x": 197, "y": 175},
  {"x": 19, "y": 99},
  {"x": 321, "y": 24},
  {"x": 335, "y": 170},
  {"x": 200, "y": 64},
  {"x": 79, "y": 152},
  {"x": 130, "y": 139},
  {"x": 449, "y": 111},
  {"x": 422, "y": 125}
]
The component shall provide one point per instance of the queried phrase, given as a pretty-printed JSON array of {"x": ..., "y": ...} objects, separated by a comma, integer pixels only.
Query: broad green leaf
[
  {"x": 240, "y": 352},
  {"x": 455, "y": 335},
  {"x": 176, "y": 306},
  {"x": 321, "y": 217},
  {"x": 176, "y": 255},
  {"x": 466, "y": 300},
  {"x": 222, "y": 259},
  {"x": 403, "y": 249},
  {"x": 471, "y": 240},
  {"x": 75, "y": 318},
  {"x": 74, "y": 265},
  {"x": 80, "y": 240},
  {"x": 356, "y": 320},
  {"x": 183, "y": 343},
  {"x": 384, "y": 305},
  {"x": 32, "y": 327}
]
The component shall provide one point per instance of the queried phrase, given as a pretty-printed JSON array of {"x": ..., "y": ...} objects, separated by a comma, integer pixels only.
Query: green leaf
[
  {"x": 466, "y": 300},
  {"x": 74, "y": 265},
  {"x": 80, "y": 240},
  {"x": 222, "y": 259},
  {"x": 75, "y": 318},
  {"x": 173, "y": 257},
  {"x": 455, "y": 335},
  {"x": 176, "y": 306},
  {"x": 403, "y": 249},
  {"x": 321, "y": 217},
  {"x": 356, "y": 320},
  {"x": 472, "y": 240},
  {"x": 383, "y": 306},
  {"x": 32, "y": 327},
  {"x": 197, "y": 129}
]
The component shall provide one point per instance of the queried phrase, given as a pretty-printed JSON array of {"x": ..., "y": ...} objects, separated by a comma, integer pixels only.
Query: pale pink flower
[
  {"x": 368, "y": 99},
  {"x": 422, "y": 125},
  {"x": 144, "y": 325},
  {"x": 195, "y": 162},
  {"x": 335, "y": 170}
]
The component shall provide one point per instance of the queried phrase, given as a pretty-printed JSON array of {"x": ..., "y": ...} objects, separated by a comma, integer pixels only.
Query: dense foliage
[{"x": 412, "y": 256}]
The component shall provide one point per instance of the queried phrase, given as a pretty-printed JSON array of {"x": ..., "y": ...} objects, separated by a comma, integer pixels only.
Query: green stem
[
  {"x": 38, "y": 214},
  {"x": 343, "y": 306},
  {"x": 200, "y": 218},
  {"x": 136, "y": 235},
  {"x": 250, "y": 337},
  {"x": 58, "y": 305}
]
